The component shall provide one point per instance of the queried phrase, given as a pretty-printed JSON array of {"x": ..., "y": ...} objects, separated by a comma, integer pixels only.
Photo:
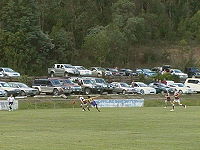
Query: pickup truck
[{"x": 63, "y": 70}]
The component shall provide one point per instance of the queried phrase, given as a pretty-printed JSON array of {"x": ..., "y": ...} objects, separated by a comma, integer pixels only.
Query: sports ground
[{"x": 147, "y": 128}]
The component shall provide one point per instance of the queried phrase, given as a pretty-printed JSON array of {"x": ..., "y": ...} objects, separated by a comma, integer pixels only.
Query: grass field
[{"x": 152, "y": 128}]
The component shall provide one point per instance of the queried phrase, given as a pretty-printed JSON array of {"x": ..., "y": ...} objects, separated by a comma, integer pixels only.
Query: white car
[
  {"x": 179, "y": 73},
  {"x": 99, "y": 71},
  {"x": 182, "y": 88},
  {"x": 7, "y": 72},
  {"x": 83, "y": 71},
  {"x": 193, "y": 83},
  {"x": 143, "y": 89},
  {"x": 123, "y": 88},
  {"x": 1, "y": 74}
]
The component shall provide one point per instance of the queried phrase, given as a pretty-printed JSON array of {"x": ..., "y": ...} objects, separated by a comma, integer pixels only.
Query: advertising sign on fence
[
  {"x": 4, "y": 105},
  {"x": 120, "y": 102}
]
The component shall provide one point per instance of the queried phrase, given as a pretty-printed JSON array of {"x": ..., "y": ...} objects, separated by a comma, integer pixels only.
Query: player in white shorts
[
  {"x": 177, "y": 100},
  {"x": 167, "y": 99},
  {"x": 10, "y": 100},
  {"x": 84, "y": 103}
]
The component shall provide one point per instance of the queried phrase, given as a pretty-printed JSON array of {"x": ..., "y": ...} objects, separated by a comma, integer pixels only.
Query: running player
[
  {"x": 177, "y": 100},
  {"x": 84, "y": 103},
  {"x": 93, "y": 103},
  {"x": 167, "y": 99}
]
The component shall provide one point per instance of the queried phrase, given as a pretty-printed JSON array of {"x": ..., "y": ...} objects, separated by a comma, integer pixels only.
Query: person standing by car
[{"x": 10, "y": 100}]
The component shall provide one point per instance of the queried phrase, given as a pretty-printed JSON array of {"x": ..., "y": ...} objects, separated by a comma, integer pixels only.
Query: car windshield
[
  {"x": 8, "y": 70},
  {"x": 147, "y": 71},
  {"x": 124, "y": 85},
  {"x": 67, "y": 81},
  {"x": 55, "y": 82},
  {"x": 22, "y": 85},
  {"x": 68, "y": 66},
  {"x": 4, "y": 84},
  {"x": 100, "y": 81},
  {"x": 179, "y": 84},
  {"x": 100, "y": 69},
  {"x": 177, "y": 71},
  {"x": 80, "y": 68},
  {"x": 88, "y": 82},
  {"x": 113, "y": 70},
  {"x": 195, "y": 70},
  {"x": 162, "y": 85},
  {"x": 142, "y": 85}
]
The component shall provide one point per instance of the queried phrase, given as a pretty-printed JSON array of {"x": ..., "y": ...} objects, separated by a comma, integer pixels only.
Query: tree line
[{"x": 34, "y": 34}]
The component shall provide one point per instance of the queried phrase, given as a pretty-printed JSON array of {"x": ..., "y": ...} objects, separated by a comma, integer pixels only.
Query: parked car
[
  {"x": 63, "y": 70},
  {"x": 161, "y": 88},
  {"x": 51, "y": 86},
  {"x": 193, "y": 72},
  {"x": 115, "y": 72},
  {"x": 9, "y": 90},
  {"x": 107, "y": 87},
  {"x": 76, "y": 89},
  {"x": 99, "y": 71},
  {"x": 1, "y": 74},
  {"x": 146, "y": 72},
  {"x": 193, "y": 83},
  {"x": 166, "y": 69},
  {"x": 142, "y": 88},
  {"x": 3, "y": 93},
  {"x": 123, "y": 88},
  {"x": 25, "y": 90},
  {"x": 83, "y": 71},
  {"x": 128, "y": 72},
  {"x": 179, "y": 73},
  {"x": 89, "y": 86},
  {"x": 180, "y": 87},
  {"x": 8, "y": 72}
]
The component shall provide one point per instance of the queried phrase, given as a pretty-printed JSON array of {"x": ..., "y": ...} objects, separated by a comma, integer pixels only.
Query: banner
[
  {"x": 120, "y": 102},
  {"x": 4, "y": 105}
]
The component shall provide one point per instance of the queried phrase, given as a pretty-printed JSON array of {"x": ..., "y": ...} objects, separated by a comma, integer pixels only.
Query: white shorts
[
  {"x": 84, "y": 105},
  {"x": 177, "y": 101}
]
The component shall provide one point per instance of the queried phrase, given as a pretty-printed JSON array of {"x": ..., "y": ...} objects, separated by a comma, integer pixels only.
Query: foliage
[
  {"x": 35, "y": 34},
  {"x": 167, "y": 76}
]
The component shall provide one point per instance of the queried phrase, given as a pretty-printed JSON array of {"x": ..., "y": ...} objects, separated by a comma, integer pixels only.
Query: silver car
[
  {"x": 3, "y": 93},
  {"x": 9, "y": 90},
  {"x": 123, "y": 88},
  {"x": 25, "y": 90}
]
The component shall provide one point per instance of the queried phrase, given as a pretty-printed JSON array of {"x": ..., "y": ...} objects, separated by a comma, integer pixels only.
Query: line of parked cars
[
  {"x": 17, "y": 89},
  {"x": 95, "y": 85}
]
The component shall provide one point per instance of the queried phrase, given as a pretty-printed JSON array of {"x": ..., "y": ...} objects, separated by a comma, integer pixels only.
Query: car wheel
[
  {"x": 23, "y": 93},
  {"x": 98, "y": 75},
  {"x": 180, "y": 91},
  {"x": 124, "y": 92},
  {"x": 163, "y": 92},
  {"x": 55, "y": 92},
  {"x": 142, "y": 92},
  {"x": 87, "y": 91},
  {"x": 66, "y": 74},
  {"x": 51, "y": 74},
  {"x": 6, "y": 95}
]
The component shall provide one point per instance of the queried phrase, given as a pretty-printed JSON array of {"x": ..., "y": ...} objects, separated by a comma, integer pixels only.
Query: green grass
[{"x": 153, "y": 128}]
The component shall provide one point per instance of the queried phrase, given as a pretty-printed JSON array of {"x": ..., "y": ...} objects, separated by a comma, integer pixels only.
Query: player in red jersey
[{"x": 177, "y": 100}]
